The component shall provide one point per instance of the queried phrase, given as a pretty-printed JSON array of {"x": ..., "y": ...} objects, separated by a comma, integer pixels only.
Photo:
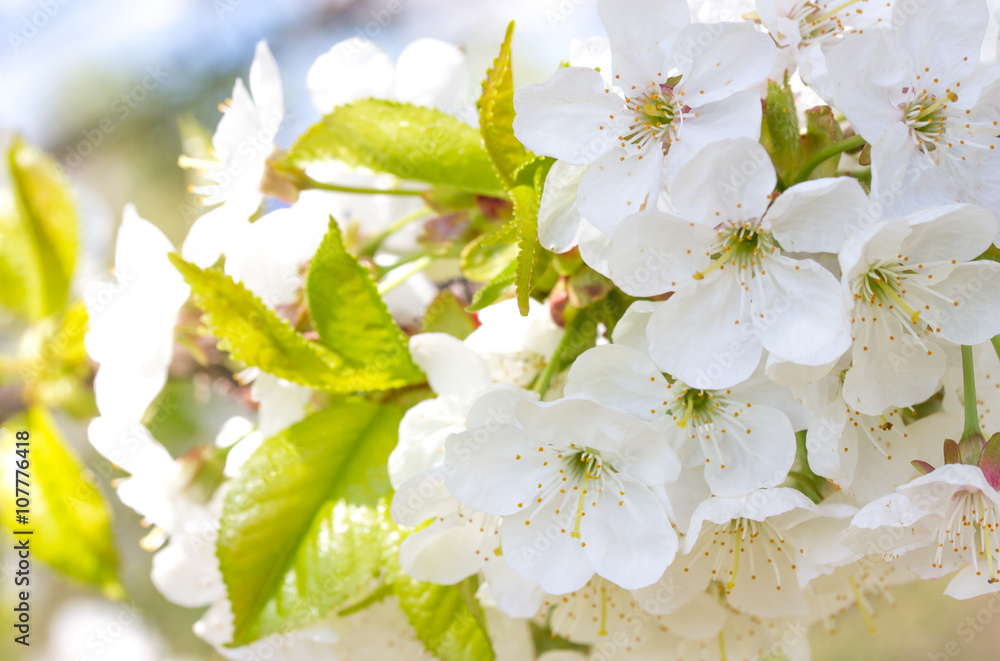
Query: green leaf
[
  {"x": 822, "y": 131},
  {"x": 295, "y": 538},
  {"x": 254, "y": 335},
  {"x": 486, "y": 256},
  {"x": 70, "y": 520},
  {"x": 446, "y": 618},
  {"x": 531, "y": 257},
  {"x": 446, "y": 315},
  {"x": 496, "y": 116},
  {"x": 38, "y": 234},
  {"x": 352, "y": 319},
  {"x": 780, "y": 130},
  {"x": 492, "y": 292},
  {"x": 411, "y": 142}
]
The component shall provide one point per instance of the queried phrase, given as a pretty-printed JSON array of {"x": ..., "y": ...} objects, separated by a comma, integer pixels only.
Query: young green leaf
[
  {"x": 531, "y": 257},
  {"x": 446, "y": 315},
  {"x": 254, "y": 335},
  {"x": 486, "y": 256},
  {"x": 69, "y": 518},
  {"x": 496, "y": 116},
  {"x": 496, "y": 288},
  {"x": 411, "y": 142},
  {"x": 822, "y": 131},
  {"x": 780, "y": 131},
  {"x": 352, "y": 319},
  {"x": 298, "y": 536},
  {"x": 446, "y": 618},
  {"x": 38, "y": 234}
]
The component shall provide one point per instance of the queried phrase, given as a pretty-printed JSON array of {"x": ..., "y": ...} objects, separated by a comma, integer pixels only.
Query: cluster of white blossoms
[{"x": 777, "y": 421}]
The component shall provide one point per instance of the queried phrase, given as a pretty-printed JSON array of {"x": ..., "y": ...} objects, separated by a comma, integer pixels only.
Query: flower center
[
  {"x": 816, "y": 25},
  {"x": 744, "y": 545},
  {"x": 582, "y": 466},
  {"x": 741, "y": 245},
  {"x": 653, "y": 114},
  {"x": 884, "y": 285},
  {"x": 927, "y": 117},
  {"x": 971, "y": 526}
]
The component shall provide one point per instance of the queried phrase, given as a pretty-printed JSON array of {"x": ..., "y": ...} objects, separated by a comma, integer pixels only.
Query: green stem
[
  {"x": 375, "y": 596},
  {"x": 414, "y": 267},
  {"x": 969, "y": 393},
  {"x": 545, "y": 378},
  {"x": 307, "y": 183},
  {"x": 833, "y": 150},
  {"x": 370, "y": 246},
  {"x": 996, "y": 345}
]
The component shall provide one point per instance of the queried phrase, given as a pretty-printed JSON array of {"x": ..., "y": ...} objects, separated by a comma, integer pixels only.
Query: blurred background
[{"x": 103, "y": 85}]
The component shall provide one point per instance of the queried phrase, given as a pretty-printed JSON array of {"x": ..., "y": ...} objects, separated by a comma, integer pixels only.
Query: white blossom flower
[
  {"x": 645, "y": 125},
  {"x": 912, "y": 282},
  {"x": 865, "y": 455},
  {"x": 806, "y": 29},
  {"x": 914, "y": 93},
  {"x": 935, "y": 524},
  {"x": 132, "y": 319},
  {"x": 737, "y": 292},
  {"x": 243, "y": 141},
  {"x": 573, "y": 481},
  {"x": 733, "y": 435},
  {"x": 762, "y": 549}
]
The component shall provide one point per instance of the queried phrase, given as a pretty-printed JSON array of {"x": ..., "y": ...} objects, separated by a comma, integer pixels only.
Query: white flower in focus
[
  {"x": 807, "y": 28},
  {"x": 914, "y": 93},
  {"x": 733, "y": 435},
  {"x": 723, "y": 254},
  {"x": 573, "y": 481},
  {"x": 935, "y": 524},
  {"x": 762, "y": 549},
  {"x": 912, "y": 282},
  {"x": 428, "y": 73},
  {"x": 243, "y": 141},
  {"x": 644, "y": 124},
  {"x": 132, "y": 319},
  {"x": 865, "y": 455}
]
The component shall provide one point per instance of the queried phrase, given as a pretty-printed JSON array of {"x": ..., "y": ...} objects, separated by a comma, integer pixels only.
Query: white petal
[
  {"x": 890, "y": 368},
  {"x": 129, "y": 445},
  {"x": 619, "y": 184},
  {"x": 871, "y": 107},
  {"x": 718, "y": 59},
  {"x": 353, "y": 69},
  {"x": 641, "y": 34},
  {"x": 975, "y": 287},
  {"x": 431, "y": 73},
  {"x": 217, "y": 231},
  {"x": 817, "y": 216},
  {"x": 654, "y": 252},
  {"x": 630, "y": 331},
  {"x": 970, "y": 583},
  {"x": 701, "y": 335},
  {"x": 452, "y": 368},
  {"x": 629, "y": 539},
  {"x": 265, "y": 85},
  {"x": 485, "y": 473},
  {"x": 564, "y": 116},
  {"x": 619, "y": 376},
  {"x": 737, "y": 116},
  {"x": 957, "y": 231},
  {"x": 443, "y": 553},
  {"x": 728, "y": 180},
  {"x": 800, "y": 311},
  {"x": 945, "y": 37},
  {"x": 559, "y": 221},
  {"x": 544, "y": 551},
  {"x": 754, "y": 460}
]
